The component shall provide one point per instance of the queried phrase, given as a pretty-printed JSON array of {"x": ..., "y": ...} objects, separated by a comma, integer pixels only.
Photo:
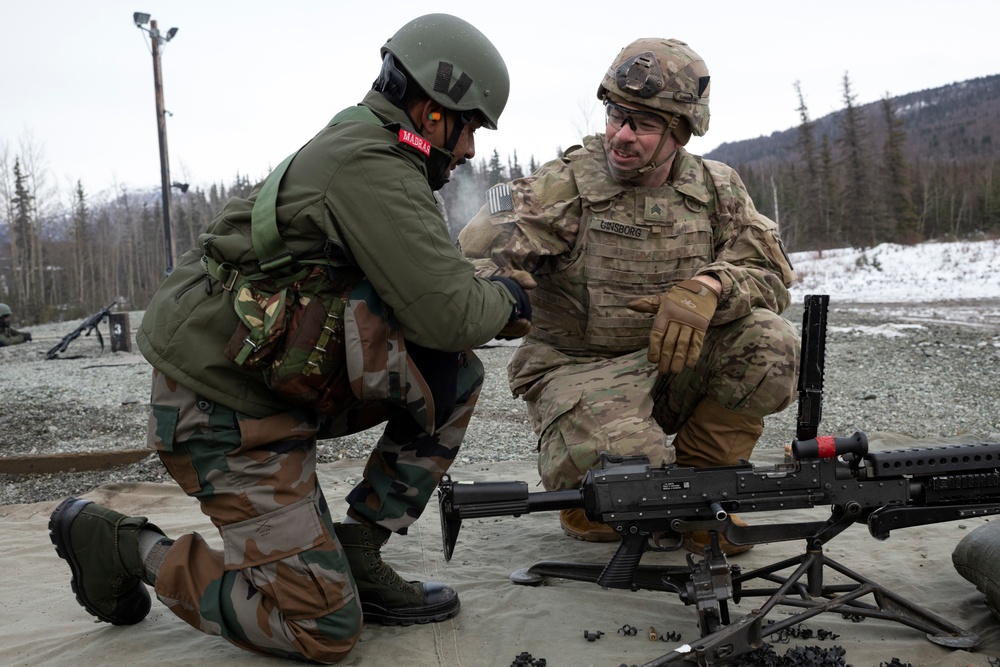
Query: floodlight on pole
[{"x": 156, "y": 41}]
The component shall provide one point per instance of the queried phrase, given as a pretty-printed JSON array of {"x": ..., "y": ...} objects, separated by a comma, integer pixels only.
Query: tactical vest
[{"x": 633, "y": 242}]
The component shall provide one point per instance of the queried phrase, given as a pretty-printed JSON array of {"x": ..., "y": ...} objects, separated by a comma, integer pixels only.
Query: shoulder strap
[{"x": 271, "y": 251}]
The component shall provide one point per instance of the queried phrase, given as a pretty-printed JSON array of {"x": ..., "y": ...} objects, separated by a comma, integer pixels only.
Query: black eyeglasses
[{"x": 641, "y": 122}]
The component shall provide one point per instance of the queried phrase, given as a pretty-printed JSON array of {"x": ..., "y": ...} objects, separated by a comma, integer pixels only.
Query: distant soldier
[
  {"x": 660, "y": 287},
  {"x": 8, "y": 334}
]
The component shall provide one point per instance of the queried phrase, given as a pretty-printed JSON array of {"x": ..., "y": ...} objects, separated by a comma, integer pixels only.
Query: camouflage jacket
[
  {"x": 593, "y": 244},
  {"x": 359, "y": 195}
]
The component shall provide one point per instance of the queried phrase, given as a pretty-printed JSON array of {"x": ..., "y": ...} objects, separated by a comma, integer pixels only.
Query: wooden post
[{"x": 121, "y": 334}]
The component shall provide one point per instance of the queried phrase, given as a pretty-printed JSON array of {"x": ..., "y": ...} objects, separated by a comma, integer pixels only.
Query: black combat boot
[
  {"x": 386, "y": 599},
  {"x": 102, "y": 549}
]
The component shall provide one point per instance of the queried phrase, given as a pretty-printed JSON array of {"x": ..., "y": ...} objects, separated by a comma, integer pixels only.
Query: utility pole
[{"x": 156, "y": 39}]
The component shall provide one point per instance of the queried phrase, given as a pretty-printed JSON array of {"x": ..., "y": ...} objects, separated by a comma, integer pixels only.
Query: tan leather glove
[
  {"x": 519, "y": 328},
  {"x": 682, "y": 316}
]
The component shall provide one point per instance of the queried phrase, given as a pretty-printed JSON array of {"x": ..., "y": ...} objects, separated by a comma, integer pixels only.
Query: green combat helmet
[
  {"x": 664, "y": 75},
  {"x": 4, "y": 309},
  {"x": 454, "y": 63}
]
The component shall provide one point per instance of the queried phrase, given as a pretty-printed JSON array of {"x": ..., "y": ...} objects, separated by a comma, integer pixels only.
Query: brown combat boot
[
  {"x": 576, "y": 524},
  {"x": 698, "y": 541},
  {"x": 716, "y": 436}
]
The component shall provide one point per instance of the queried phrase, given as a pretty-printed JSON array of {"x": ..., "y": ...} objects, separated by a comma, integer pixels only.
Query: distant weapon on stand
[
  {"x": 90, "y": 324},
  {"x": 653, "y": 508}
]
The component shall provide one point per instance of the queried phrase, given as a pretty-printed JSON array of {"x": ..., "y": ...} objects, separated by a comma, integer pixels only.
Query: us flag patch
[{"x": 499, "y": 198}]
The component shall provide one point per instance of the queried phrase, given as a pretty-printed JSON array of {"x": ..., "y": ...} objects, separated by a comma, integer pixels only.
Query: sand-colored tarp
[{"x": 43, "y": 624}]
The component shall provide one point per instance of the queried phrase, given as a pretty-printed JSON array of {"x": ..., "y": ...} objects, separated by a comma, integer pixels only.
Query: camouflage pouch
[
  {"x": 263, "y": 313},
  {"x": 294, "y": 335}
]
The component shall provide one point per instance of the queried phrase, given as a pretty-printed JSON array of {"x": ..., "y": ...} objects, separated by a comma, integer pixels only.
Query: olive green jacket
[
  {"x": 358, "y": 195},
  {"x": 10, "y": 336}
]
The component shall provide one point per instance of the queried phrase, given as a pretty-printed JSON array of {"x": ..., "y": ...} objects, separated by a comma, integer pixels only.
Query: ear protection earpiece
[{"x": 434, "y": 115}]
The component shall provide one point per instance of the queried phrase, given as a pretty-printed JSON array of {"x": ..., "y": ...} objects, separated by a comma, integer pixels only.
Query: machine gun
[
  {"x": 90, "y": 324},
  {"x": 652, "y": 508}
]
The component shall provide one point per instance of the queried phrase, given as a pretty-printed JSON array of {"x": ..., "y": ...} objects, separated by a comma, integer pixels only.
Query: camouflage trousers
[
  {"x": 623, "y": 406},
  {"x": 281, "y": 584}
]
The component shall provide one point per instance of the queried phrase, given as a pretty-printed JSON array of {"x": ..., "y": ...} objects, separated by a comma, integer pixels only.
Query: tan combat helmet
[
  {"x": 664, "y": 75},
  {"x": 454, "y": 63}
]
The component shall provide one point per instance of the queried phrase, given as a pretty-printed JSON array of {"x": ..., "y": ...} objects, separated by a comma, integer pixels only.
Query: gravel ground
[{"x": 920, "y": 370}]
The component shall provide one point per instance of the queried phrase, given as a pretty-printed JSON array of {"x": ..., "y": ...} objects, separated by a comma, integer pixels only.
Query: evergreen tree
[
  {"x": 82, "y": 255},
  {"x": 24, "y": 243},
  {"x": 533, "y": 165},
  {"x": 859, "y": 223},
  {"x": 808, "y": 218},
  {"x": 514, "y": 169},
  {"x": 495, "y": 170},
  {"x": 901, "y": 217},
  {"x": 828, "y": 186}
]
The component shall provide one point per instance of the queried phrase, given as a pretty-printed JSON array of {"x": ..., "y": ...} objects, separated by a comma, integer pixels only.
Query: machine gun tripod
[{"x": 711, "y": 581}]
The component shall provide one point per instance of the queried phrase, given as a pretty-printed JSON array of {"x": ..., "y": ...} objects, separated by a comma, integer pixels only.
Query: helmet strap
[
  {"x": 439, "y": 163},
  {"x": 653, "y": 164}
]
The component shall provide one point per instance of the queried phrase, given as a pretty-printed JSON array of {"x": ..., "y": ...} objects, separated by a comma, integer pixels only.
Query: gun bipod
[
  {"x": 845, "y": 598},
  {"x": 748, "y": 632},
  {"x": 670, "y": 578}
]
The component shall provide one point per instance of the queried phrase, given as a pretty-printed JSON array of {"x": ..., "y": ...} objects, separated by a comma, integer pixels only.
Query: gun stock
[{"x": 473, "y": 500}]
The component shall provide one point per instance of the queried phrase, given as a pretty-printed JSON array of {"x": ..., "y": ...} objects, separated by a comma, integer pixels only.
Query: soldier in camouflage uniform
[
  {"x": 8, "y": 334},
  {"x": 660, "y": 287},
  {"x": 359, "y": 199}
]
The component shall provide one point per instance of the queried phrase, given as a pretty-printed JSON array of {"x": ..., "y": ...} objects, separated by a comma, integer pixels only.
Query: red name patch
[{"x": 415, "y": 140}]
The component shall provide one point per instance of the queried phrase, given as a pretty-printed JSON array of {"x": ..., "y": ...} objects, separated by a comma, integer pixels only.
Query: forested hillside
[{"x": 905, "y": 169}]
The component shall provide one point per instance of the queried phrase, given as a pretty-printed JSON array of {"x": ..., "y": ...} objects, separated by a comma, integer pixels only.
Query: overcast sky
[{"x": 247, "y": 82}]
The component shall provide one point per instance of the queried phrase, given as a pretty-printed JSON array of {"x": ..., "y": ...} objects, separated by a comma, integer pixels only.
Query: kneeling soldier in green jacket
[{"x": 348, "y": 222}]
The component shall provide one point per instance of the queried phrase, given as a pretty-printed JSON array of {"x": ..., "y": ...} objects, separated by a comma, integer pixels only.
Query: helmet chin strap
[
  {"x": 439, "y": 161},
  {"x": 653, "y": 165}
]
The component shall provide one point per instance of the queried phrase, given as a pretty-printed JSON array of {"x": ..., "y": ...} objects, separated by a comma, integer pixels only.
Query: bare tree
[{"x": 810, "y": 223}]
